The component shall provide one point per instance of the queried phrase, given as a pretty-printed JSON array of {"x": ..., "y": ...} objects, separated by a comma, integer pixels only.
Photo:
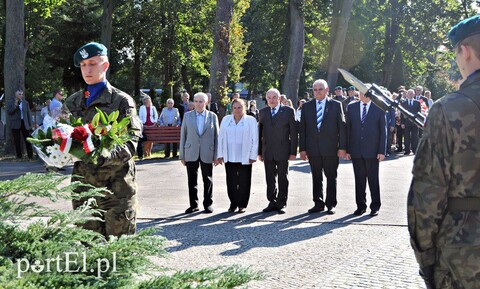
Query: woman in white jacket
[
  {"x": 149, "y": 116},
  {"x": 238, "y": 149}
]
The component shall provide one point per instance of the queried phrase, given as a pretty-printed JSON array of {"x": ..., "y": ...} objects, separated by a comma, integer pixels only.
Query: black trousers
[
  {"x": 328, "y": 166},
  {"x": 207, "y": 173},
  {"x": 274, "y": 169},
  {"x": 411, "y": 138},
  {"x": 140, "y": 147},
  {"x": 399, "y": 132},
  {"x": 167, "y": 149},
  {"x": 366, "y": 169},
  {"x": 239, "y": 181},
  {"x": 18, "y": 141}
]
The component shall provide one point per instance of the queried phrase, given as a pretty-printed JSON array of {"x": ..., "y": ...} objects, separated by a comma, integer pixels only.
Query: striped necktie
[
  {"x": 273, "y": 111},
  {"x": 319, "y": 114},
  {"x": 364, "y": 112}
]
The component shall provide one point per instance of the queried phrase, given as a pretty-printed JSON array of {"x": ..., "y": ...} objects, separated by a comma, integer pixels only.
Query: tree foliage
[{"x": 30, "y": 235}]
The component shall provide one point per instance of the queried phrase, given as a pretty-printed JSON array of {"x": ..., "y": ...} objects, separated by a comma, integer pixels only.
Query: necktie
[
  {"x": 319, "y": 114},
  {"x": 411, "y": 102},
  {"x": 273, "y": 111},
  {"x": 364, "y": 112}
]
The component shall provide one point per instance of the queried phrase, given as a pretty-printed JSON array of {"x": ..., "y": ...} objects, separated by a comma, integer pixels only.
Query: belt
[{"x": 463, "y": 204}]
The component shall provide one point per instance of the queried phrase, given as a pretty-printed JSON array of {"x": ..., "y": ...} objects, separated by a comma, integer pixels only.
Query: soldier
[
  {"x": 444, "y": 199},
  {"x": 116, "y": 172}
]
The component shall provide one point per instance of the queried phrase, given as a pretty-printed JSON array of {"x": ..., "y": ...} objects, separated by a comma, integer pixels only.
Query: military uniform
[
  {"x": 116, "y": 173},
  {"x": 443, "y": 211}
]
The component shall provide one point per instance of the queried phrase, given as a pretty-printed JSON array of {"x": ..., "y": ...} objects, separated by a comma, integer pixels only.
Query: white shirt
[
  {"x": 361, "y": 108},
  {"x": 238, "y": 142},
  {"x": 200, "y": 121}
]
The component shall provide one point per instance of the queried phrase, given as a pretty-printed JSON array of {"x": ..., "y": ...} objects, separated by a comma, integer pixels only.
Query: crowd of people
[{"x": 443, "y": 201}]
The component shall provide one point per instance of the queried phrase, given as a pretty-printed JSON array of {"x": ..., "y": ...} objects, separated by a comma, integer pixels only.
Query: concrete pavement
[{"x": 294, "y": 250}]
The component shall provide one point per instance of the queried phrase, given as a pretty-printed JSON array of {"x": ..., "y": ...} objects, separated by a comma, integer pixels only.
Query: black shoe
[
  {"x": 270, "y": 208},
  {"x": 191, "y": 210},
  {"x": 316, "y": 209},
  {"x": 374, "y": 213},
  {"x": 359, "y": 212},
  {"x": 232, "y": 208},
  {"x": 241, "y": 210},
  {"x": 398, "y": 150},
  {"x": 407, "y": 153},
  {"x": 209, "y": 210},
  {"x": 280, "y": 211},
  {"x": 331, "y": 211}
]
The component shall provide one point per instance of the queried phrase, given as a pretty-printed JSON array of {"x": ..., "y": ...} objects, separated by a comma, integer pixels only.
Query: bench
[{"x": 162, "y": 134}]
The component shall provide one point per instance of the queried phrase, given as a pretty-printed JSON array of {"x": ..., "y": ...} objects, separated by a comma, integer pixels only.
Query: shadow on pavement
[{"x": 247, "y": 232}]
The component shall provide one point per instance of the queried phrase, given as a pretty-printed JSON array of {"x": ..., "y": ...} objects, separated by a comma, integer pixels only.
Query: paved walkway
[{"x": 294, "y": 250}]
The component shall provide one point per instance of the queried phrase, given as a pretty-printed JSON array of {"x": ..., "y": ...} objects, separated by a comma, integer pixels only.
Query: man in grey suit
[
  {"x": 278, "y": 139},
  {"x": 20, "y": 122},
  {"x": 198, "y": 147},
  {"x": 323, "y": 140}
]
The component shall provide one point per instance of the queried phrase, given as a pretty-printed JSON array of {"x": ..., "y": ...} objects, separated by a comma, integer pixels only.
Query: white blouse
[{"x": 238, "y": 142}]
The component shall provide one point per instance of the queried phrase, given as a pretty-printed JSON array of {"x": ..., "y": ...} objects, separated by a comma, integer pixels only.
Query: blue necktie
[
  {"x": 273, "y": 111},
  {"x": 319, "y": 114},
  {"x": 364, "y": 112}
]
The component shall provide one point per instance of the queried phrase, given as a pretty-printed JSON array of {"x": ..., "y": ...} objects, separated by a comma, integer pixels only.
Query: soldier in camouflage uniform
[
  {"x": 444, "y": 198},
  {"x": 116, "y": 172}
]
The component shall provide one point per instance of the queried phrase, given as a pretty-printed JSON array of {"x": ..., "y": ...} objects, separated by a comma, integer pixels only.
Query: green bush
[{"x": 43, "y": 248}]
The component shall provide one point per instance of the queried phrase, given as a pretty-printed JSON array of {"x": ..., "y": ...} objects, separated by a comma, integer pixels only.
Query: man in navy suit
[
  {"x": 323, "y": 140},
  {"x": 366, "y": 145},
  {"x": 20, "y": 122},
  {"x": 278, "y": 140},
  {"x": 410, "y": 128}
]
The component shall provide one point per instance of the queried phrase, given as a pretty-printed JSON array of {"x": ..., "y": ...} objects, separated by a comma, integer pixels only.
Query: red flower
[
  {"x": 56, "y": 134},
  {"x": 86, "y": 94},
  {"x": 79, "y": 133}
]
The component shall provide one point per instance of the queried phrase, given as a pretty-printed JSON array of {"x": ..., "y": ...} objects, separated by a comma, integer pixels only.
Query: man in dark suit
[
  {"x": 366, "y": 145},
  {"x": 409, "y": 127},
  {"x": 20, "y": 122},
  {"x": 323, "y": 140},
  {"x": 278, "y": 139}
]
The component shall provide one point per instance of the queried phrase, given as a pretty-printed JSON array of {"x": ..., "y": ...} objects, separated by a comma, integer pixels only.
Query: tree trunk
[
  {"x": 107, "y": 20},
  {"x": 186, "y": 82},
  {"x": 137, "y": 66},
  {"x": 340, "y": 20},
  {"x": 14, "y": 59},
  {"x": 391, "y": 35},
  {"x": 220, "y": 51},
  {"x": 295, "y": 55}
]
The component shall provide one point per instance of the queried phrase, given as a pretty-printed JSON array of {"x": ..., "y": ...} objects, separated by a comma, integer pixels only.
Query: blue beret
[
  {"x": 338, "y": 88},
  {"x": 352, "y": 88},
  {"x": 465, "y": 28},
  {"x": 87, "y": 51}
]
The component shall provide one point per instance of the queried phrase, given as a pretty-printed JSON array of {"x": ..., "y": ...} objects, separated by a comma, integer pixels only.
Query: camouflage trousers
[
  {"x": 120, "y": 208},
  {"x": 458, "y": 267}
]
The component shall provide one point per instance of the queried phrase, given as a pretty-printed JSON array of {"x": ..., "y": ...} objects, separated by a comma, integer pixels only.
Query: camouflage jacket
[
  {"x": 110, "y": 100},
  {"x": 446, "y": 166}
]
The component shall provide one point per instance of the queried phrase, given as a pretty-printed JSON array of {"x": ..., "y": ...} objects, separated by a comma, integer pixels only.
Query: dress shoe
[
  {"x": 232, "y": 208},
  {"x": 270, "y": 208},
  {"x": 359, "y": 212},
  {"x": 281, "y": 211},
  {"x": 407, "y": 153},
  {"x": 241, "y": 210},
  {"x": 209, "y": 210},
  {"x": 331, "y": 210},
  {"x": 374, "y": 213},
  {"x": 316, "y": 209},
  {"x": 191, "y": 210}
]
